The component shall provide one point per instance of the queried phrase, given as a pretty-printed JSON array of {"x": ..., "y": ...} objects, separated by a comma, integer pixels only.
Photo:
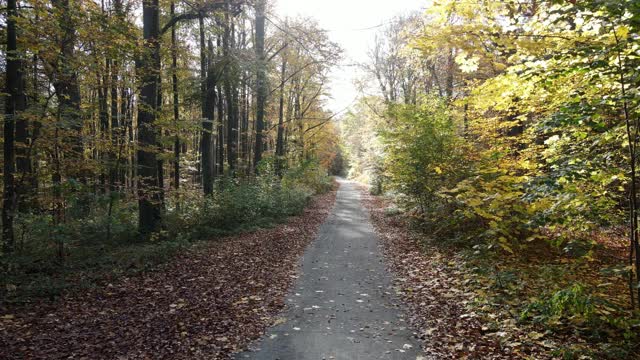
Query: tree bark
[
  {"x": 67, "y": 87},
  {"x": 210, "y": 106},
  {"x": 206, "y": 163},
  {"x": 176, "y": 105},
  {"x": 261, "y": 78},
  {"x": 28, "y": 182},
  {"x": 117, "y": 135},
  {"x": 220, "y": 127},
  {"x": 220, "y": 130},
  {"x": 231, "y": 96},
  {"x": 280, "y": 139},
  {"x": 15, "y": 103},
  {"x": 149, "y": 190}
]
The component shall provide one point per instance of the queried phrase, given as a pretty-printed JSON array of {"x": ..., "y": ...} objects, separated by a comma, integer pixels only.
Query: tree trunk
[
  {"x": 117, "y": 135},
  {"x": 14, "y": 104},
  {"x": 220, "y": 131},
  {"x": 206, "y": 163},
  {"x": 231, "y": 97},
  {"x": 106, "y": 155},
  {"x": 209, "y": 109},
  {"x": 149, "y": 192},
  {"x": 28, "y": 182},
  {"x": 280, "y": 138},
  {"x": 176, "y": 106},
  {"x": 67, "y": 88},
  {"x": 261, "y": 78},
  {"x": 244, "y": 124}
]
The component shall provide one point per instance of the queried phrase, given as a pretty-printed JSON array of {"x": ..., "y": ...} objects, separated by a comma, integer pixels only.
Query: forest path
[{"x": 342, "y": 305}]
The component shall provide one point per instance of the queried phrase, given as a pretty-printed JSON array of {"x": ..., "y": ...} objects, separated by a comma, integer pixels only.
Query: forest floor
[
  {"x": 465, "y": 311},
  {"x": 208, "y": 302}
]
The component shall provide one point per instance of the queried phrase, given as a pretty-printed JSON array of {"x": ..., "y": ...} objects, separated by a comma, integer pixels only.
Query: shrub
[
  {"x": 244, "y": 204},
  {"x": 309, "y": 175}
]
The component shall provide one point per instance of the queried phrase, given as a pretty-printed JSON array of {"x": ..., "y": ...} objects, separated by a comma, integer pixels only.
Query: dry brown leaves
[
  {"x": 436, "y": 287},
  {"x": 207, "y": 303}
]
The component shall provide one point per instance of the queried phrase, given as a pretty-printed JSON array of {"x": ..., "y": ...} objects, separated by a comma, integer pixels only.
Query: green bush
[
  {"x": 239, "y": 205},
  {"x": 424, "y": 152},
  {"x": 574, "y": 301},
  {"x": 578, "y": 304},
  {"x": 309, "y": 175}
]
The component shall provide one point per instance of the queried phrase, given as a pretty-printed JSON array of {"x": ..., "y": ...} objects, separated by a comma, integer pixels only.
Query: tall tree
[
  {"x": 207, "y": 122},
  {"x": 230, "y": 94},
  {"x": 65, "y": 82},
  {"x": 176, "y": 105},
  {"x": 261, "y": 81},
  {"x": 150, "y": 194},
  {"x": 14, "y": 104},
  {"x": 280, "y": 136},
  {"x": 116, "y": 126}
]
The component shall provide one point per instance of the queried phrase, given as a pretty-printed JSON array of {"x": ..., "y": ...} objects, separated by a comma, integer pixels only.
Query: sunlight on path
[{"x": 342, "y": 305}]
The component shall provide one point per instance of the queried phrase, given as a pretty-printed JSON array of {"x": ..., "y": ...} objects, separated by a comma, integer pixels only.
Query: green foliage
[
  {"x": 308, "y": 175},
  {"x": 239, "y": 205},
  {"x": 588, "y": 310},
  {"x": 52, "y": 258},
  {"x": 423, "y": 151},
  {"x": 571, "y": 302},
  {"x": 526, "y": 156}
]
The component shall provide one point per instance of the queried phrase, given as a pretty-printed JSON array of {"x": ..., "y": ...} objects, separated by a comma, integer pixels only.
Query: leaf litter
[
  {"x": 207, "y": 303},
  {"x": 439, "y": 291}
]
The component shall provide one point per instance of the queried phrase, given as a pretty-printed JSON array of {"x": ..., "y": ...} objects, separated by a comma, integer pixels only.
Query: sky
[{"x": 353, "y": 25}]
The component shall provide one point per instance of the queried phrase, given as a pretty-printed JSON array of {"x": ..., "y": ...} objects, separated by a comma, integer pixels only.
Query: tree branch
[{"x": 212, "y": 6}]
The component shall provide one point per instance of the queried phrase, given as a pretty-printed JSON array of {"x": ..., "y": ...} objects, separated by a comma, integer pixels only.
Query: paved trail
[{"x": 342, "y": 305}]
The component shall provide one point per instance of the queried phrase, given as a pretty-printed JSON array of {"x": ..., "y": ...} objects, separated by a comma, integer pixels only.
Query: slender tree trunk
[
  {"x": 261, "y": 78},
  {"x": 207, "y": 126},
  {"x": 115, "y": 127},
  {"x": 280, "y": 138},
  {"x": 149, "y": 190},
  {"x": 220, "y": 131},
  {"x": 297, "y": 116},
  {"x": 633, "y": 139},
  {"x": 210, "y": 106},
  {"x": 231, "y": 97},
  {"x": 58, "y": 200},
  {"x": 105, "y": 154},
  {"x": 176, "y": 105},
  {"x": 220, "y": 127},
  {"x": 244, "y": 109},
  {"x": 117, "y": 138}
]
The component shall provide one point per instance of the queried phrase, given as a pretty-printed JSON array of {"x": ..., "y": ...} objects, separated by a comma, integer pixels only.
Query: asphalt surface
[{"x": 342, "y": 306}]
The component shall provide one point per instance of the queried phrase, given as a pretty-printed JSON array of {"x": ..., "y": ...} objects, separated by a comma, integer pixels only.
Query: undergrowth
[
  {"x": 580, "y": 304},
  {"x": 54, "y": 258}
]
